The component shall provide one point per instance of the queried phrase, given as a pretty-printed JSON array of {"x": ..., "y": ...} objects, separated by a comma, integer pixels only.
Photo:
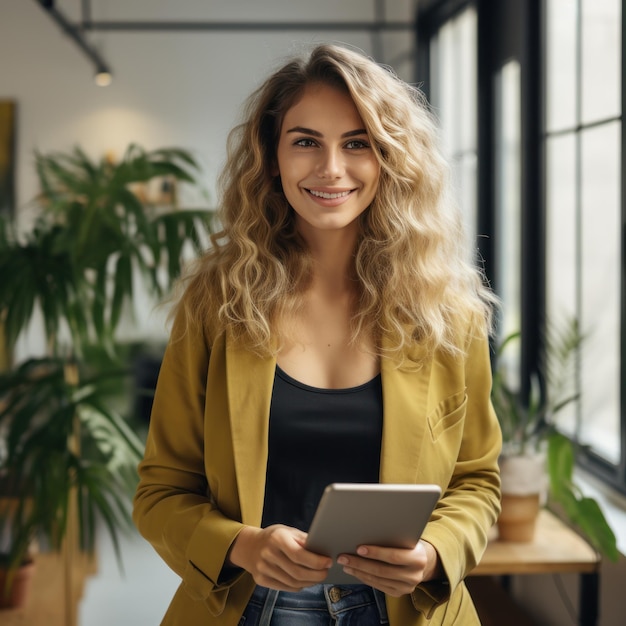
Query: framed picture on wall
[{"x": 7, "y": 156}]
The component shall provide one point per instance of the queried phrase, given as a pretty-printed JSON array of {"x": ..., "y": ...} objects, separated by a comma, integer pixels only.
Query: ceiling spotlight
[{"x": 103, "y": 78}]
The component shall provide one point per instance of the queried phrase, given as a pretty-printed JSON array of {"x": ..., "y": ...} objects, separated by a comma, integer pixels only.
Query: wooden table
[{"x": 556, "y": 548}]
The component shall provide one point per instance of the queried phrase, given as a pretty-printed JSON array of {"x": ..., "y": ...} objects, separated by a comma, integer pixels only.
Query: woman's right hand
[{"x": 276, "y": 558}]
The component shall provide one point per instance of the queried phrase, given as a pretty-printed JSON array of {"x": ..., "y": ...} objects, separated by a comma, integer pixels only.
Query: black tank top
[{"x": 316, "y": 437}]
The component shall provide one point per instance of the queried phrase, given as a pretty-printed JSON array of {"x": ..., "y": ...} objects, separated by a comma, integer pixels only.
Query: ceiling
[{"x": 78, "y": 18}]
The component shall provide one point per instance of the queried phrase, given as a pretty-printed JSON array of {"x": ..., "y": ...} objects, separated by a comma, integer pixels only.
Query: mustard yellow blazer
[{"x": 203, "y": 474}]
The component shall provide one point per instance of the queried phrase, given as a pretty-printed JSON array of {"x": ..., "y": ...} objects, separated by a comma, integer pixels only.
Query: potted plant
[
  {"x": 537, "y": 461},
  {"x": 94, "y": 238},
  {"x": 14, "y": 592},
  {"x": 63, "y": 442},
  {"x": 522, "y": 461},
  {"x": 97, "y": 235}
]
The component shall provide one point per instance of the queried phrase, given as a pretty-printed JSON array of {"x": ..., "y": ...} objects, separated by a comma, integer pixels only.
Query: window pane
[
  {"x": 454, "y": 76},
  {"x": 467, "y": 79},
  {"x": 561, "y": 19},
  {"x": 601, "y": 59},
  {"x": 600, "y": 315},
  {"x": 464, "y": 172},
  {"x": 508, "y": 195},
  {"x": 447, "y": 87},
  {"x": 562, "y": 247},
  {"x": 454, "y": 81},
  {"x": 561, "y": 257}
]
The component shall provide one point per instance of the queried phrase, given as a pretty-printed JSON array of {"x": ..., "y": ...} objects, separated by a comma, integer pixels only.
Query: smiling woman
[
  {"x": 328, "y": 171},
  {"x": 333, "y": 333}
]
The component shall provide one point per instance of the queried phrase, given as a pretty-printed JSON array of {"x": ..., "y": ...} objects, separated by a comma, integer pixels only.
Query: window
[
  {"x": 454, "y": 81},
  {"x": 508, "y": 204},
  {"x": 582, "y": 147},
  {"x": 546, "y": 198}
]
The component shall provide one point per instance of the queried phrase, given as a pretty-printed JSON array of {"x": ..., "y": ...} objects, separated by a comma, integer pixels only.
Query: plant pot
[
  {"x": 518, "y": 518},
  {"x": 17, "y": 596},
  {"x": 524, "y": 485}
]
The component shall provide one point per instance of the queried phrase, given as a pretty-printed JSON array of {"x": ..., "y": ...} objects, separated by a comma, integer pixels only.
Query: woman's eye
[
  {"x": 304, "y": 142},
  {"x": 357, "y": 144}
]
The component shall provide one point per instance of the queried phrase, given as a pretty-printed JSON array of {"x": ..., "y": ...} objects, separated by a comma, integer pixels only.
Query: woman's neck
[{"x": 333, "y": 260}]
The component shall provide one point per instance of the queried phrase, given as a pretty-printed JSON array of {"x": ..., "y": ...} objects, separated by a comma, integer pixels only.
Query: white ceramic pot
[{"x": 523, "y": 475}]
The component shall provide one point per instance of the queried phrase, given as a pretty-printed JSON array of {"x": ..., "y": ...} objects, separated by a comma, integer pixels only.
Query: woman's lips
[
  {"x": 328, "y": 198},
  {"x": 329, "y": 195}
]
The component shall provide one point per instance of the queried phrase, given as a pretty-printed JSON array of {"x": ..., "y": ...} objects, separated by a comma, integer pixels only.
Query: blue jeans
[{"x": 320, "y": 605}]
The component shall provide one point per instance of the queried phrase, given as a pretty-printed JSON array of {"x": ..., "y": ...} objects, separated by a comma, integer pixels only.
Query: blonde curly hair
[{"x": 416, "y": 282}]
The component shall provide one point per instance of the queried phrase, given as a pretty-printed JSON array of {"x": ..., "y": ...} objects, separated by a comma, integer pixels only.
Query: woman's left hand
[{"x": 394, "y": 571}]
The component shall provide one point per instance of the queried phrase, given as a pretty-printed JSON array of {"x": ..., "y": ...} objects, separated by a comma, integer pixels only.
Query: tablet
[{"x": 353, "y": 514}]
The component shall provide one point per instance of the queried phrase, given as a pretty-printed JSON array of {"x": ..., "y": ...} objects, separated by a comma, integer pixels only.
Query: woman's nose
[{"x": 331, "y": 164}]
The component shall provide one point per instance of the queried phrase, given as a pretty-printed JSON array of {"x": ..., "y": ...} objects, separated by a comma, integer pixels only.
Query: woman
[{"x": 335, "y": 332}]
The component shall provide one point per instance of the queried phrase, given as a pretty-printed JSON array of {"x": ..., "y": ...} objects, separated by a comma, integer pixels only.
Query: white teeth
[{"x": 328, "y": 196}]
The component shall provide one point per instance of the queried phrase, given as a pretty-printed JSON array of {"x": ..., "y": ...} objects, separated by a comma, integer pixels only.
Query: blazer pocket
[{"x": 449, "y": 412}]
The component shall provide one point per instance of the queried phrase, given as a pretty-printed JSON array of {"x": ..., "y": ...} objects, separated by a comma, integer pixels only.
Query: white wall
[
  {"x": 169, "y": 89},
  {"x": 182, "y": 88}
]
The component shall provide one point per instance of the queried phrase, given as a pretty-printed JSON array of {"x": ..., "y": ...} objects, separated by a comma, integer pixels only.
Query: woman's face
[{"x": 328, "y": 170}]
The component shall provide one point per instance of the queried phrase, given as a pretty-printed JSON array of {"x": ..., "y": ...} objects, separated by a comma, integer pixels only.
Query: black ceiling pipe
[{"x": 76, "y": 35}]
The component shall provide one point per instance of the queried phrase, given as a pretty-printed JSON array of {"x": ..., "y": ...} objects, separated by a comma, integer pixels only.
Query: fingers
[
  {"x": 394, "y": 571},
  {"x": 393, "y": 580},
  {"x": 415, "y": 557},
  {"x": 292, "y": 570},
  {"x": 391, "y": 587},
  {"x": 277, "y": 559},
  {"x": 285, "y": 577},
  {"x": 287, "y": 545}
]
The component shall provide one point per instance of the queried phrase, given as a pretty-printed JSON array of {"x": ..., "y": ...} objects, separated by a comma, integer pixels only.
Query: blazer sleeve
[
  {"x": 173, "y": 507},
  {"x": 470, "y": 503}
]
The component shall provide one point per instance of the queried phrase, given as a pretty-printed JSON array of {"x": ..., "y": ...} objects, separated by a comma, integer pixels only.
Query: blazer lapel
[
  {"x": 250, "y": 381},
  {"x": 405, "y": 405}
]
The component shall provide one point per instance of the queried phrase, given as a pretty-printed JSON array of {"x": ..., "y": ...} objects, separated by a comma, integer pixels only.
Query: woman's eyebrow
[{"x": 316, "y": 133}]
